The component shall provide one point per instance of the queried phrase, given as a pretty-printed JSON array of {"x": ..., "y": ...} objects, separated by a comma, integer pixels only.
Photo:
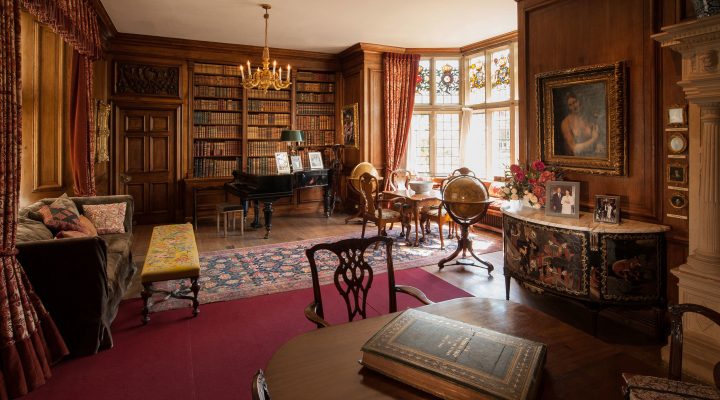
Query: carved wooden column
[{"x": 699, "y": 278}]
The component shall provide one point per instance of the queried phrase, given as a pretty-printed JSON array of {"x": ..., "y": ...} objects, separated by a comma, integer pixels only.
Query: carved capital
[{"x": 147, "y": 80}]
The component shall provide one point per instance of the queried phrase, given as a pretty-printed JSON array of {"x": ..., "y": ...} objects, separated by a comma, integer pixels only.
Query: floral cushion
[
  {"x": 641, "y": 387},
  {"x": 107, "y": 218},
  {"x": 61, "y": 215}
]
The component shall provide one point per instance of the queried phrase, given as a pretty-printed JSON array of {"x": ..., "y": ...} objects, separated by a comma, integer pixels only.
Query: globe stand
[{"x": 466, "y": 201}]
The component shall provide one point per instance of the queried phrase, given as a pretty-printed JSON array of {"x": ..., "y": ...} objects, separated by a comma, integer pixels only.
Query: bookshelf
[
  {"x": 217, "y": 120},
  {"x": 315, "y": 113},
  {"x": 268, "y": 113}
]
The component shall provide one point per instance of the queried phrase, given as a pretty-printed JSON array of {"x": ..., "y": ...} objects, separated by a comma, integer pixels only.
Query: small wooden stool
[
  {"x": 230, "y": 208},
  {"x": 172, "y": 255}
]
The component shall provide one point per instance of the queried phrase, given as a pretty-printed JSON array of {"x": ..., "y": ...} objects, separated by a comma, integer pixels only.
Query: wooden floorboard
[{"x": 641, "y": 345}]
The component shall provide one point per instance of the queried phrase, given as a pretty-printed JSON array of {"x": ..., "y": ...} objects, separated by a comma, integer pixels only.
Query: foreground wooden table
[{"x": 323, "y": 364}]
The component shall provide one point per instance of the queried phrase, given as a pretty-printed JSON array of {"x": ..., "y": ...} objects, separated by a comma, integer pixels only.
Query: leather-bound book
[{"x": 455, "y": 360}]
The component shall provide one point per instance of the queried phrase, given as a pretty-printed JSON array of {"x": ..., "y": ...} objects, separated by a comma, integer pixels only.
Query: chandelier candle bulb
[
  {"x": 274, "y": 64},
  {"x": 242, "y": 73}
]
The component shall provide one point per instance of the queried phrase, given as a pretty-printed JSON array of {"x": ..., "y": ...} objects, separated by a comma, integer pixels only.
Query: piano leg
[
  {"x": 329, "y": 201},
  {"x": 256, "y": 208},
  {"x": 268, "y": 218}
]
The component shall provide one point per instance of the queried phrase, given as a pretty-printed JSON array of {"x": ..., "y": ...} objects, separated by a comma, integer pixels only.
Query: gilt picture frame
[
  {"x": 350, "y": 127},
  {"x": 581, "y": 118}
]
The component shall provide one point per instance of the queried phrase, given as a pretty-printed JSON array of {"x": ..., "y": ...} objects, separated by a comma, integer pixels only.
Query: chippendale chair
[
  {"x": 353, "y": 278},
  {"x": 399, "y": 179},
  {"x": 372, "y": 206},
  {"x": 652, "y": 387},
  {"x": 259, "y": 387}
]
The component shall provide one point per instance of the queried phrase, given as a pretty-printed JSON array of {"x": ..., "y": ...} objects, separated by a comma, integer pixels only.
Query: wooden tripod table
[{"x": 323, "y": 364}]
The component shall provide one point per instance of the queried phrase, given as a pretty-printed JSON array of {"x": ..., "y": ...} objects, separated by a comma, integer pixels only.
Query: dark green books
[{"x": 455, "y": 360}]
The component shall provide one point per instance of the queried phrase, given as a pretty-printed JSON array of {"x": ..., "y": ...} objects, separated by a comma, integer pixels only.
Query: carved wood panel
[{"x": 134, "y": 79}]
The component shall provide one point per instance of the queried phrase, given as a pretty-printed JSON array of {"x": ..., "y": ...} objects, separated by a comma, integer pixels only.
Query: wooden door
[{"x": 147, "y": 155}]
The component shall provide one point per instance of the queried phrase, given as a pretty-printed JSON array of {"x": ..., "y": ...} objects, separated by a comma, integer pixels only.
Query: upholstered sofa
[{"x": 80, "y": 280}]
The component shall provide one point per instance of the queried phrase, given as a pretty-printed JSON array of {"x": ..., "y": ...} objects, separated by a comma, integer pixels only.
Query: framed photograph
[
  {"x": 677, "y": 174},
  {"x": 676, "y": 116},
  {"x": 296, "y": 162},
  {"x": 607, "y": 209},
  {"x": 677, "y": 143},
  {"x": 581, "y": 119},
  {"x": 350, "y": 127},
  {"x": 282, "y": 163},
  {"x": 315, "y": 160},
  {"x": 562, "y": 199}
]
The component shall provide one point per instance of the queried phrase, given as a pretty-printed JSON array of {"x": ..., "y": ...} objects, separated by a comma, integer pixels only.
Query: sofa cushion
[
  {"x": 29, "y": 230},
  {"x": 32, "y": 211},
  {"x": 61, "y": 215},
  {"x": 107, "y": 218},
  {"x": 88, "y": 230}
]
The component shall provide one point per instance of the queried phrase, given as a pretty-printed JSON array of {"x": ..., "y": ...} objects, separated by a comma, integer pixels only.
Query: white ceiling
[{"x": 319, "y": 25}]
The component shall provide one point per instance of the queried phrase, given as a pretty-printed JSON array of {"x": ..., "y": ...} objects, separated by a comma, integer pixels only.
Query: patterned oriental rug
[{"x": 253, "y": 271}]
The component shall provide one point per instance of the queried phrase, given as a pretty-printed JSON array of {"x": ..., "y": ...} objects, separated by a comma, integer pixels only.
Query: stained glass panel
[
  {"x": 447, "y": 81},
  {"x": 422, "y": 87},
  {"x": 419, "y": 153},
  {"x": 476, "y": 75},
  {"x": 500, "y": 150},
  {"x": 500, "y": 70},
  {"x": 447, "y": 143}
]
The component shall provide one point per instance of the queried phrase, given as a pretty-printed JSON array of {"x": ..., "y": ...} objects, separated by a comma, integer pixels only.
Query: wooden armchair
[
  {"x": 399, "y": 179},
  {"x": 372, "y": 206},
  {"x": 670, "y": 388},
  {"x": 259, "y": 387},
  {"x": 354, "y": 277}
]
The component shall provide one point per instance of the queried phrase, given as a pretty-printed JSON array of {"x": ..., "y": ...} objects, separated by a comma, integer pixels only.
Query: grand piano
[{"x": 270, "y": 188}]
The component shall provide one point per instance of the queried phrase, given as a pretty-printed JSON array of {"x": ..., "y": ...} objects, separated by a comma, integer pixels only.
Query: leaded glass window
[
  {"x": 500, "y": 70},
  {"x": 500, "y": 145},
  {"x": 422, "y": 86},
  {"x": 476, "y": 81},
  {"x": 419, "y": 152},
  {"x": 447, "y": 143},
  {"x": 447, "y": 81}
]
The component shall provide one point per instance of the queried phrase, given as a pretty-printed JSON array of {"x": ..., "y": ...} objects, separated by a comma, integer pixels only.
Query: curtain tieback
[{"x": 8, "y": 252}]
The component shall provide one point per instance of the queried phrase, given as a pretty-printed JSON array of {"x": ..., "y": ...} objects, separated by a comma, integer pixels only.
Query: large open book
[{"x": 455, "y": 360}]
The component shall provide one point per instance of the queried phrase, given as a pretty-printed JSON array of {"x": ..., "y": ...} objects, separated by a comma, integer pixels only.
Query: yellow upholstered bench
[{"x": 172, "y": 255}]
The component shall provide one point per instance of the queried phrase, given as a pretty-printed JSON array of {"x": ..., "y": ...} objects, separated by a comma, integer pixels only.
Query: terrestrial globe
[
  {"x": 360, "y": 169},
  {"x": 465, "y": 198}
]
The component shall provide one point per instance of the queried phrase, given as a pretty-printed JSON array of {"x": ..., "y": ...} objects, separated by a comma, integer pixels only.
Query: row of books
[
  {"x": 270, "y": 94},
  {"x": 219, "y": 132},
  {"x": 263, "y": 132},
  {"x": 319, "y": 138},
  {"x": 220, "y": 105},
  {"x": 217, "y": 80},
  {"x": 204, "y": 148},
  {"x": 315, "y": 87},
  {"x": 269, "y": 119},
  {"x": 217, "y": 69},
  {"x": 262, "y": 149},
  {"x": 315, "y": 76},
  {"x": 315, "y": 97},
  {"x": 216, "y": 91},
  {"x": 209, "y": 117},
  {"x": 316, "y": 109},
  {"x": 208, "y": 167},
  {"x": 266, "y": 105},
  {"x": 316, "y": 122},
  {"x": 262, "y": 166}
]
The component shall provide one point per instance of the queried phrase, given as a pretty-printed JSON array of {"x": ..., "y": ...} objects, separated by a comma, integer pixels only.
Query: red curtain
[
  {"x": 399, "y": 99},
  {"x": 82, "y": 127},
  {"x": 76, "y": 22},
  {"x": 29, "y": 340}
]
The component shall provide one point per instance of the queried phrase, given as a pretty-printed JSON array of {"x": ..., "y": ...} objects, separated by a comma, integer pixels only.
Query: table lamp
[{"x": 293, "y": 136}]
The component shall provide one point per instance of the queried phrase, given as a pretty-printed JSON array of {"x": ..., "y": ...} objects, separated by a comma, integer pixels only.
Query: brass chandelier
[{"x": 264, "y": 78}]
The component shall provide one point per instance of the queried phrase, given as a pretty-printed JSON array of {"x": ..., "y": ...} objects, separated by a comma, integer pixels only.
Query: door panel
[{"x": 147, "y": 156}]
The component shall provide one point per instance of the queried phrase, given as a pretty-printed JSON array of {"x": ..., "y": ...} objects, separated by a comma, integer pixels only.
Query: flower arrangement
[{"x": 528, "y": 183}]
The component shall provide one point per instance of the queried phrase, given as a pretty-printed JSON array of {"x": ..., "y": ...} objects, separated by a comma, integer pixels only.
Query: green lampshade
[{"x": 292, "y": 136}]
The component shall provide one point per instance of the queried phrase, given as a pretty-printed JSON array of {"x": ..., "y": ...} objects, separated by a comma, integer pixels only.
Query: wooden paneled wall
[
  {"x": 46, "y": 72},
  {"x": 560, "y": 34}
]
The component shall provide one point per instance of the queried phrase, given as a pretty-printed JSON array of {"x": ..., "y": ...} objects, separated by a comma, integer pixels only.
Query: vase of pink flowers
[{"x": 527, "y": 183}]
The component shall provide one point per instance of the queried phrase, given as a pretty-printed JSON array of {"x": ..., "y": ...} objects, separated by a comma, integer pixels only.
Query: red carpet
[{"x": 215, "y": 355}]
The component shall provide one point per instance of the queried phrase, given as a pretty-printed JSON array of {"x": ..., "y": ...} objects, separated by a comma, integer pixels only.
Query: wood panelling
[
  {"x": 46, "y": 70},
  {"x": 561, "y": 34}
]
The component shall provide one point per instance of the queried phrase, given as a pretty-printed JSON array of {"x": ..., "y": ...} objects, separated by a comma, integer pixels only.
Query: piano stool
[{"x": 230, "y": 208}]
